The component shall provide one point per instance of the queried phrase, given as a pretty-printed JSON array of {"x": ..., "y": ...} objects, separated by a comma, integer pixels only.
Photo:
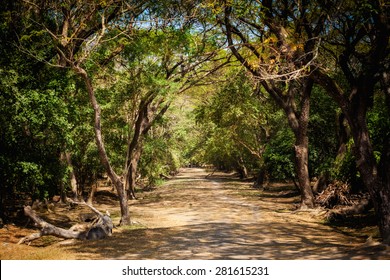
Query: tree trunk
[
  {"x": 261, "y": 179},
  {"x": 302, "y": 170},
  {"x": 147, "y": 115},
  {"x": 131, "y": 178},
  {"x": 73, "y": 180},
  {"x": 344, "y": 135},
  {"x": 299, "y": 125},
  {"x": 339, "y": 213},
  {"x": 376, "y": 181},
  {"x": 135, "y": 145},
  {"x": 321, "y": 183},
  {"x": 243, "y": 171},
  {"x": 92, "y": 192},
  {"x": 384, "y": 192},
  {"x": 384, "y": 167},
  {"x": 115, "y": 179}
]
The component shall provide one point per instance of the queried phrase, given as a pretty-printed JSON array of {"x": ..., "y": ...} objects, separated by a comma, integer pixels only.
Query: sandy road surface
[{"x": 194, "y": 217}]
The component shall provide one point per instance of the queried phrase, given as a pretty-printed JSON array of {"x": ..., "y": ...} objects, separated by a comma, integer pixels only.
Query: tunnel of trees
[{"x": 131, "y": 91}]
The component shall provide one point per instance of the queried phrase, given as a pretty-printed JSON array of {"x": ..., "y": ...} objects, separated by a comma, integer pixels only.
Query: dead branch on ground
[{"x": 98, "y": 228}]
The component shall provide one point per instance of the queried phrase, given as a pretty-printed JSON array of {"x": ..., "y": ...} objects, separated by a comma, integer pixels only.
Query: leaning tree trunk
[{"x": 115, "y": 179}]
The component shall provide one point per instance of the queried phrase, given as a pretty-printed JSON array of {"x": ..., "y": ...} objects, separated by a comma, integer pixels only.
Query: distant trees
[
  {"x": 237, "y": 118},
  {"x": 268, "y": 38}
]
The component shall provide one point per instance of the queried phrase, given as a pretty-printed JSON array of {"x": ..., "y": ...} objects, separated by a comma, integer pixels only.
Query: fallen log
[
  {"x": 48, "y": 229},
  {"x": 99, "y": 228}
]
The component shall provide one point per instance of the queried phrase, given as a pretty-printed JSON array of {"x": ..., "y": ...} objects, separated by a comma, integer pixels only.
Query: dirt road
[{"x": 194, "y": 217}]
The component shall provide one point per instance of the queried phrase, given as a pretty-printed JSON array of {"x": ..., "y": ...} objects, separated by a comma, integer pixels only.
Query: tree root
[{"x": 339, "y": 213}]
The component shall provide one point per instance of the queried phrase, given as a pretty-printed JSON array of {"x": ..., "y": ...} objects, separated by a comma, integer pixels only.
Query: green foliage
[
  {"x": 236, "y": 122},
  {"x": 149, "y": 60},
  {"x": 34, "y": 128},
  {"x": 379, "y": 123},
  {"x": 323, "y": 132},
  {"x": 344, "y": 168},
  {"x": 279, "y": 155},
  {"x": 162, "y": 154}
]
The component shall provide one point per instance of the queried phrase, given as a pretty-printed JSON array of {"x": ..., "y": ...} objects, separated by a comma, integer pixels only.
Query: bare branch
[{"x": 83, "y": 203}]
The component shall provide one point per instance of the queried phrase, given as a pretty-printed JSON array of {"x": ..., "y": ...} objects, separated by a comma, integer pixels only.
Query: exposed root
[{"x": 339, "y": 213}]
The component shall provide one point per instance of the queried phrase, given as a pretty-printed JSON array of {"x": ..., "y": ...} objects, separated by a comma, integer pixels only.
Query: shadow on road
[{"x": 226, "y": 241}]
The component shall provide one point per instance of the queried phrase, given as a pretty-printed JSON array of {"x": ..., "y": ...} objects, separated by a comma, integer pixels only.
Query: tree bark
[
  {"x": 92, "y": 192},
  {"x": 115, "y": 179},
  {"x": 135, "y": 146},
  {"x": 261, "y": 179},
  {"x": 376, "y": 182},
  {"x": 302, "y": 170},
  {"x": 73, "y": 180},
  {"x": 384, "y": 165},
  {"x": 242, "y": 170},
  {"x": 321, "y": 182},
  {"x": 132, "y": 171},
  {"x": 299, "y": 125},
  {"x": 363, "y": 206}
]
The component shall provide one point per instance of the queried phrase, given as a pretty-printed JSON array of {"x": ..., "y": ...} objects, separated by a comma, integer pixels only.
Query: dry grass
[{"x": 46, "y": 248}]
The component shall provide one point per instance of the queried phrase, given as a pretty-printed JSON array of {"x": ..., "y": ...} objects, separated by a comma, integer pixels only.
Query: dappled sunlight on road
[{"x": 196, "y": 217}]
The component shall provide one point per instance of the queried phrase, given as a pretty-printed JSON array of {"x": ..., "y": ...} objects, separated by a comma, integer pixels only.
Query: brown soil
[{"x": 194, "y": 217}]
